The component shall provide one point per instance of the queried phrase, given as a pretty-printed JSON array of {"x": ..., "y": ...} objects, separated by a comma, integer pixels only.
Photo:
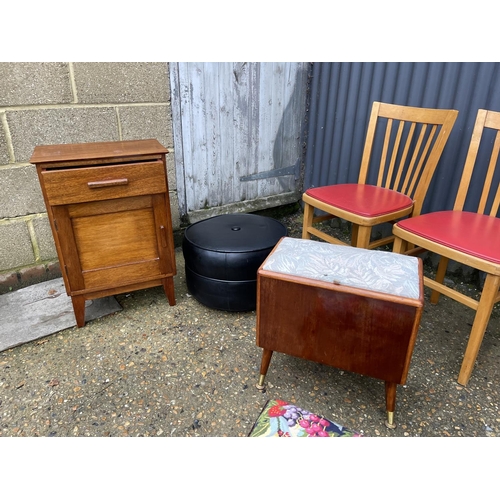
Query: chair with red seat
[
  {"x": 468, "y": 237},
  {"x": 413, "y": 141}
]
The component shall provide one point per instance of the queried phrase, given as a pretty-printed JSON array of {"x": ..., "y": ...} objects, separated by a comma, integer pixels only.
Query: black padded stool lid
[{"x": 235, "y": 233}]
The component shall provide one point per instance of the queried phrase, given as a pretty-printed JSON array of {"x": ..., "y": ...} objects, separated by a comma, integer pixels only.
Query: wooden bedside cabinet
[{"x": 109, "y": 211}]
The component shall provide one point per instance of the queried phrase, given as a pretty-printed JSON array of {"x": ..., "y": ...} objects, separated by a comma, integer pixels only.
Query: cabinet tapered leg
[
  {"x": 390, "y": 403},
  {"x": 264, "y": 365},
  {"x": 168, "y": 286},
  {"x": 79, "y": 309}
]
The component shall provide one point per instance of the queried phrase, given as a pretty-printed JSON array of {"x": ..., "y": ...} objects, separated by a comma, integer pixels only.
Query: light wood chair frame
[
  {"x": 420, "y": 166},
  {"x": 490, "y": 293}
]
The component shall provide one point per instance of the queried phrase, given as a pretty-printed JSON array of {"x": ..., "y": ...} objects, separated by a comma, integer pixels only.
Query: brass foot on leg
[
  {"x": 389, "y": 423},
  {"x": 260, "y": 385}
]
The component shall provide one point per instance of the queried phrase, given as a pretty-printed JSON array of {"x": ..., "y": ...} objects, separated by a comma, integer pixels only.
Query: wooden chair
[
  {"x": 412, "y": 145},
  {"x": 471, "y": 238}
]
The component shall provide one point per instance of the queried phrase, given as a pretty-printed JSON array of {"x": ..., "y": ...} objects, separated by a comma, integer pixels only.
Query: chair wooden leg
[
  {"x": 440, "y": 274},
  {"x": 354, "y": 234},
  {"x": 486, "y": 302},
  {"x": 308, "y": 221},
  {"x": 399, "y": 245},
  {"x": 361, "y": 236},
  {"x": 264, "y": 365},
  {"x": 390, "y": 403}
]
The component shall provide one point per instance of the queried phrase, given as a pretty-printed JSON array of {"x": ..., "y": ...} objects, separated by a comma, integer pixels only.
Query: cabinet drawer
[{"x": 78, "y": 185}]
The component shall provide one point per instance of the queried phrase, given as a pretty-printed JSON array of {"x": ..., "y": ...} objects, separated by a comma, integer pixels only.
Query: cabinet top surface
[{"x": 95, "y": 150}]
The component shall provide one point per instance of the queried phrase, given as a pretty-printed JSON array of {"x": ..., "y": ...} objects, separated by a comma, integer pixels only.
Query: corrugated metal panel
[
  {"x": 340, "y": 103},
  {"x": 232, "y": 121}
]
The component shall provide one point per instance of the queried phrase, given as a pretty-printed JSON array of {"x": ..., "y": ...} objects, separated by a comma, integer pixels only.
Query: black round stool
[{"x": 222, "y": 255}]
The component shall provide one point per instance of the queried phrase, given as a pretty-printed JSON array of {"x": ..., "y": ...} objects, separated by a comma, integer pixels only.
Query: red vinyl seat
[
  {"x": 461, "y": 231},
  {"x": 364, "y": 200}
]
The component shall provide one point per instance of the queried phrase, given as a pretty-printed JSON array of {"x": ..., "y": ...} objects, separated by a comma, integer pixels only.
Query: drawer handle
[{"x": 108, "y": 183}]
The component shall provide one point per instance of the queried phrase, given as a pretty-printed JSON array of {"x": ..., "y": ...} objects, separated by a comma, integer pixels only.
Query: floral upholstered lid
[{"x": 374, "y": 270}]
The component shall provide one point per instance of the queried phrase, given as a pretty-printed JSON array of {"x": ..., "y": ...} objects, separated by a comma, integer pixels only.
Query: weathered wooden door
[{"x": 238, "y": 135}]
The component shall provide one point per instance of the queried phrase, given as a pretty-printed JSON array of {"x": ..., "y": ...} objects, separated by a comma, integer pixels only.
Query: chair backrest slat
[
  {"x": 385, "y": 148},
  {"x": 406, "y": 149},
  {"x": 414, "y": 171},
  {"x": 410, "y": 191},
  {"x": 489, "y": 175},
  {"x": 496, "y": 202}
]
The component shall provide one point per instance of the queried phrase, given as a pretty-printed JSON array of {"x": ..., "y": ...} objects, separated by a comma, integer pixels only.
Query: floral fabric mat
[{"x": 279, "y": 418}]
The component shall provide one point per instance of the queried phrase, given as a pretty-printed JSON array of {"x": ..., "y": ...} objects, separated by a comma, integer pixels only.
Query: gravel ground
[{"x": 187, "y": 370}]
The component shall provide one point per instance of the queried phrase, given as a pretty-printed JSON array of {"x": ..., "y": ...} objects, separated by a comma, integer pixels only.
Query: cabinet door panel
[
  {"x": 107, "y": 246},
  {"x": 108, "y": 240}
]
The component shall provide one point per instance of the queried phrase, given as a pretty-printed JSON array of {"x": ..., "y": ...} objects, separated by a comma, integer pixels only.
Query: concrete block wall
[{"x": 57, "y": 103}]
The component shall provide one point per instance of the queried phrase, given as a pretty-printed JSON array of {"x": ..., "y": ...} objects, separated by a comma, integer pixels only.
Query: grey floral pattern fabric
[{"x": 375, "y": 270}]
